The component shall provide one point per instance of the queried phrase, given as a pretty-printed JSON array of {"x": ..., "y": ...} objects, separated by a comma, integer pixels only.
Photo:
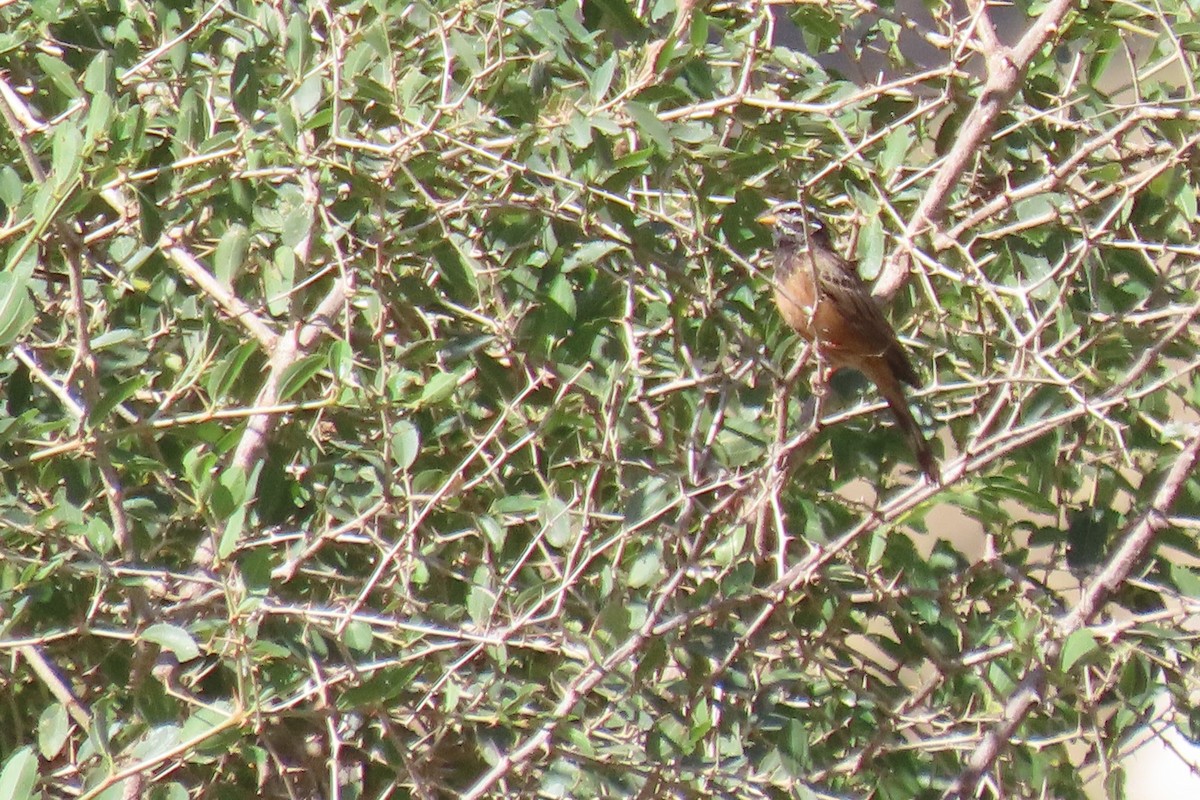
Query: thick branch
[
  {"x": 1005, "y": 69},
  {"x": 288, "y": 349}
]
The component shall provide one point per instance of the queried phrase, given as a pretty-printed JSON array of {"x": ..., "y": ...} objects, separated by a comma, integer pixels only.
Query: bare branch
[{"x": 1005, "y": 70}]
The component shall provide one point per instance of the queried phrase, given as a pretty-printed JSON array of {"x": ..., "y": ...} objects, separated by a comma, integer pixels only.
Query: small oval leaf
[
  {"x": 173, "y": 638},
  {"x": 19, "y": 774},
  {"x": 16, "y": 308},
  {"x": 297, "y": 375},
  {"x": 1077, "y": 646}
]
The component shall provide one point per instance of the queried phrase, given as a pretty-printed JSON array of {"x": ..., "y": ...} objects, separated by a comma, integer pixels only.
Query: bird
[{"x": 821, "y": 296}]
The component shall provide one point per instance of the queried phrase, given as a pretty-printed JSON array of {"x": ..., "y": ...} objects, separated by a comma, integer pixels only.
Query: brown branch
[
  {"x": 1006, "y": 68},
  {"x": 288, "y": 349},
  {"x": 1097, "y": 591},
  {"x": 291, "y": 347},
  {"x": 233, "y": 305},
  {"x": 57, "y": 685}
]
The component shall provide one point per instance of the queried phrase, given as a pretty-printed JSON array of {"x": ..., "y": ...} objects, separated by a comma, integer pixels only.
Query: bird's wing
[{"x": 870, "y": 330}]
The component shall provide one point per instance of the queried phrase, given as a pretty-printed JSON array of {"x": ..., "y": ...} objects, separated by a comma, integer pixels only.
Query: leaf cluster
[{"x": 394, "y": 403}]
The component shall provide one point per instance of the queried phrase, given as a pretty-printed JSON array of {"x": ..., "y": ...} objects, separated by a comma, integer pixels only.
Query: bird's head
[{"x": 794, "y": 225}]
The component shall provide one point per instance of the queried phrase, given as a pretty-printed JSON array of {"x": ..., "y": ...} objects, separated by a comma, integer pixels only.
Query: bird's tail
[{"x": 912, "y": 431}]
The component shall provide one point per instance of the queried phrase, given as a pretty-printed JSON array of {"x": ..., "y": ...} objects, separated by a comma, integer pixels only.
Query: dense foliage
[{"x": 394, "y": 405}]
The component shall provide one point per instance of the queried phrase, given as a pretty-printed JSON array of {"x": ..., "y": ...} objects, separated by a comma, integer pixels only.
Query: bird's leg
[
  {"x": 818, "y": 388},
  {"x": 821, "y": 375},
  {"x": 789, "y": 381},
  {"x": 820, "y": 385}
]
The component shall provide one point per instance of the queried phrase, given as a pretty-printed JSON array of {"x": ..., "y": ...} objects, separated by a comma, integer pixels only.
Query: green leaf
[
  {"x": 19, "y": 775},
  {"x": 279, "y": 279},
  {"x": 455, "y": 262},
  {"x": 62, "y": 76},
  {"x": 173, "y": 638},
  {"x": 618, "y": 16},
  {"x": 16, "y": 308},
  {"x": 795, "y": 746},
  {"x": 648, "y": 501},
  {"x": 244, "y": 85},
  {"x": 11, "y": 186},
  {"x": 297, "y": 224},
  {"x": 646, "y": 568},
  {"x": 1105, "y": 46},
  {"x": 496, "y": 533},
  {"x": 635, "y": 160},
  {"x": 579, "y": 131},
  {"x": 406, "y": 443},
  {"x": 380, "y": 689},
  {"x": 878, "y": 547},
  {"x": 650, "y": 125},
  {"x": 480, "y": 604},
  {"x": 231, "y": 253},
  {"x": 99, "y": 535},
  {"x": 1089, "y": 531},
  {"x": 114, "y": 397},
  {"x": 1186, "y": 580},
  {"x": 729, "y": 547},
  {"x": 308, "y": 96},
  {"x": 359, "y": 636},
  {"x": 601, "y": 78},
  {"x": 114, "y": 337},
  {"x": 560, "y": 294},
  {"x": 556, "y": 521},
  {"x": 588, "y": 254},
  {"x": 225, "y": 374},
  {"x": 231, "y": 533},
  {"x": 297, "y": 375},
  {"x": 1077, "y": 646},
  {"x": 872, "y": 243},
  {"x": 236, "y": 505},
  {"x": 156, "y": 742},
  {"x": 67, "y": 156},
  {"x": 895, "y": 150},
  {"x": 438, "y": 389},
  {"x": 299, "y": 51},
  {"x": 150, "y": 219},
  {"x": 54, "y": 728},
  {"x": 205, "y": 720}
]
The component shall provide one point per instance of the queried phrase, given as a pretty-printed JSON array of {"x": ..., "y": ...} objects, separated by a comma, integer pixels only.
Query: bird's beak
[{"x": 767, "y": 219}]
